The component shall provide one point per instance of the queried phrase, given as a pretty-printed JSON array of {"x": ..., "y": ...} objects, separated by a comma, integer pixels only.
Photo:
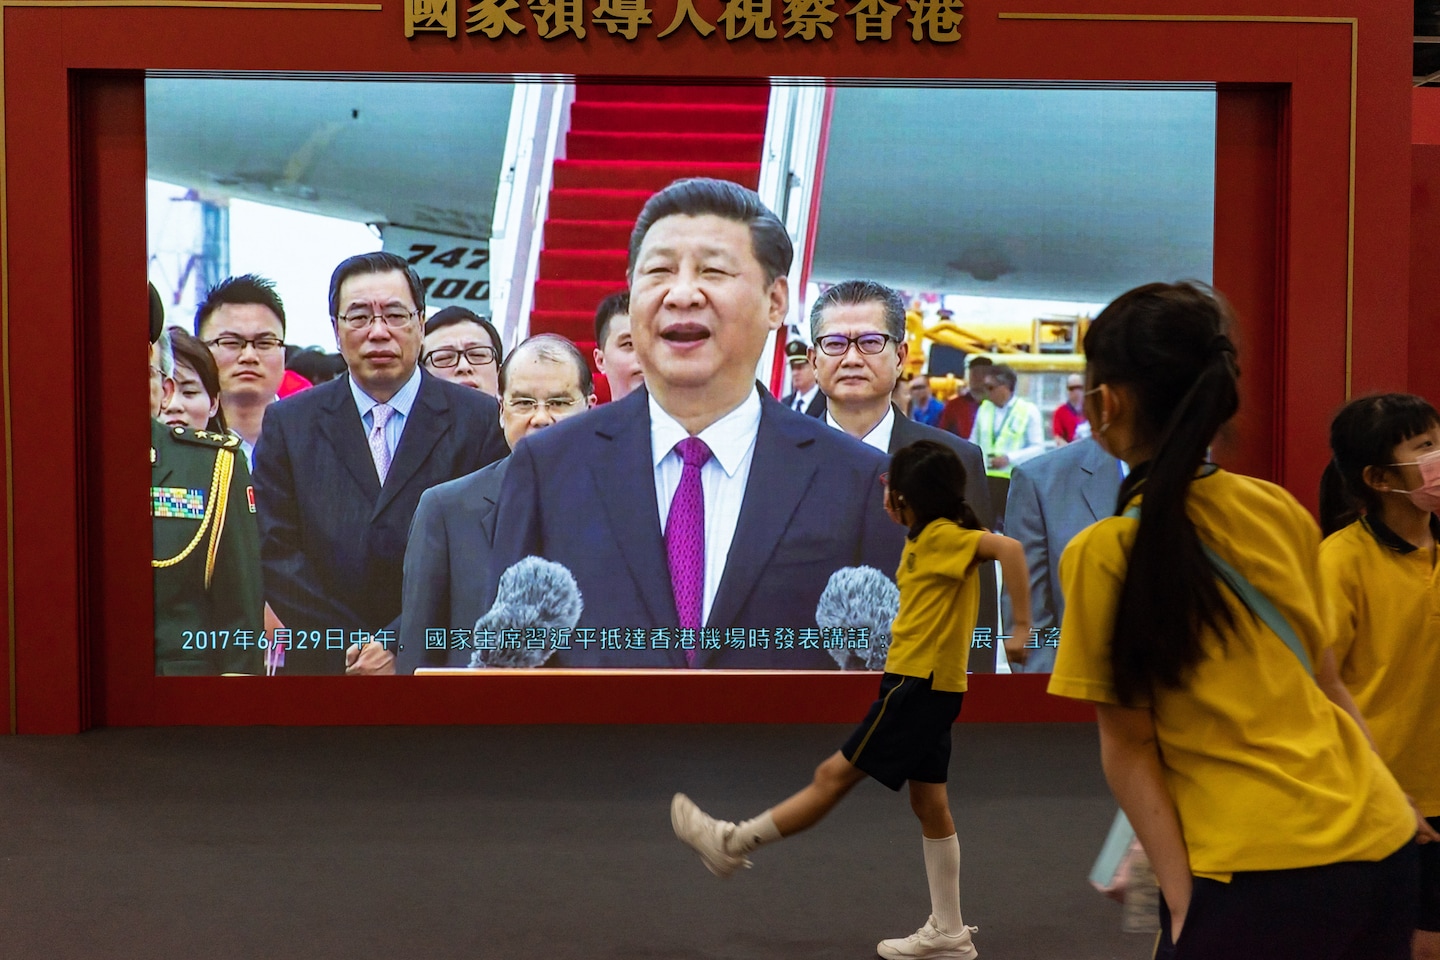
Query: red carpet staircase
[{"x": 626, "y": 142}]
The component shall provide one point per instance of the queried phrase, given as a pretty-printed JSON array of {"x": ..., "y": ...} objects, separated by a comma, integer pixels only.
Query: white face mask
[{"x": 1427, "y": 495}]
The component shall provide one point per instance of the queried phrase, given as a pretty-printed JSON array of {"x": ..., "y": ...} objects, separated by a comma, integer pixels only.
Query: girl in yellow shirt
[
  {"x": 906, "y": 735},
  {"x": 1192, "y": 621},
  {"x": 1381, "y": 571}
]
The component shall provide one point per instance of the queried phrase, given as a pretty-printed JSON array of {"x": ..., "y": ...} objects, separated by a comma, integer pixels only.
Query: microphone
[
  {"x": 533, "y": 593},
  {"x": 860, "y": 597}
]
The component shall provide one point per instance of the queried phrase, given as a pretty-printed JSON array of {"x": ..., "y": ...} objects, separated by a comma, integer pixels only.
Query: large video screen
[{"x": 426, "y": 400}]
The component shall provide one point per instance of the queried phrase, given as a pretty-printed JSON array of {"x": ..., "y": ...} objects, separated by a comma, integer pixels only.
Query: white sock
[
  {"x": 751, "y": 834},
  {"x": 942, "y": 869}
]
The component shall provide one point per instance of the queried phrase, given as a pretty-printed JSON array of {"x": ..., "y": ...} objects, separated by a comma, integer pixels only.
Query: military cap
[{"x": 157, "y": 314}]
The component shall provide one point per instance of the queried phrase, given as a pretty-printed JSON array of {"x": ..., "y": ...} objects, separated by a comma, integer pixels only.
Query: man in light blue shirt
[{"x": 340, "y": 468}]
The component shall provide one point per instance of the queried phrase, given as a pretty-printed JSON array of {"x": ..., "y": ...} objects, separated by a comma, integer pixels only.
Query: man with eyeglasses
[
  {"x": 340, "y": 469},
  {"x": 242, "y": 321},
  {"x": 464, "y": 348},
  {"x": 858, "y": 328},
  {"x": 698, "y": 507},
  {"x": 544, "y": 380}
]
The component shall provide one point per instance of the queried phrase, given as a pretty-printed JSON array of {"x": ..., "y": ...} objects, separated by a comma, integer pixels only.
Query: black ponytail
[
  {"x": 1364, "y": 434},
  {"x": 1169, "y": 344},
  {"x": 1338, "y": 509},
  {"x": 930, "y": 478}
]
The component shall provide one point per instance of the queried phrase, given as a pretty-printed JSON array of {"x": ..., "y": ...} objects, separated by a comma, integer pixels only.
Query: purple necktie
[
  {"x": 379, "y": 449},
  {"x": 685, "y": 537}
]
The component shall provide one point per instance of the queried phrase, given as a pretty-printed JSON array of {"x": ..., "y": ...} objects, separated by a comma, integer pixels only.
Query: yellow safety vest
[{"x": 1007, "y": 436}]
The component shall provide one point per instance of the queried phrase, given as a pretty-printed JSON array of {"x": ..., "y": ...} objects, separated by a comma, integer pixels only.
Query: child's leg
[
  {"x": 723, "y": 846},
  {"x": 833, "y": 779},
  {"x": 931, "y": 804}
]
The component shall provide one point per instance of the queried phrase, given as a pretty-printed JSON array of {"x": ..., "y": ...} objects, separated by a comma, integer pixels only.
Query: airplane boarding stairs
[{"x": 624, "y": 143}]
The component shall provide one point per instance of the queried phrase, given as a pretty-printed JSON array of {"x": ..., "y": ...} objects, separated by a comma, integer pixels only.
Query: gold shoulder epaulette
[{"x": 205, "y": 438}]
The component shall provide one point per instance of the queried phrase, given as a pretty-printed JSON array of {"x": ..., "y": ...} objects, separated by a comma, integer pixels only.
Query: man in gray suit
[
  {"x": 1052, "y": 498},
  {"x": 543, "y": 381},
  {"x": 858, "y": 328}
]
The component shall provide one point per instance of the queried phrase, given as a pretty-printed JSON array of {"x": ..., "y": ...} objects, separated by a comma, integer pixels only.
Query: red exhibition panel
[{"x": 1322, "y": 291}]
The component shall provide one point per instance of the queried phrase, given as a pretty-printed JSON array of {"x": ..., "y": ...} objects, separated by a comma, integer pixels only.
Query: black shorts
[
  {"x": 1430, "y": 883},
  {"x": 1356, "y": 910},
  {"x": 906, "y": 734}
]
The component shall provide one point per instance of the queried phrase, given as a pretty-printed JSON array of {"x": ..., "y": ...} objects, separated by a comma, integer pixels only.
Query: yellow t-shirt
[
  {"x": 1265, "y": 771},
  {"x": 939, "y": 603},
  {"x": 1386, "y": 602}
]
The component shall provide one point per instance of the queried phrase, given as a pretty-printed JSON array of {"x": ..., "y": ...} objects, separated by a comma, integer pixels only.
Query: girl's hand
[
  {"x": 1424, "y": 833},
  {"x": 1177, "y": 922},
  {"x": 1015, "y": 650}
]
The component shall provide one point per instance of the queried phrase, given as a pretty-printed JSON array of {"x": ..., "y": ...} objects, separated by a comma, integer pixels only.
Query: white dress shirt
[
  {"x": 248, "y": 449},
  {"x": 802, "y": 401},
  {"x": 401, "y": 403},
  {"x": 879, "y": 435},
  {"x": 731, "y": 440}
]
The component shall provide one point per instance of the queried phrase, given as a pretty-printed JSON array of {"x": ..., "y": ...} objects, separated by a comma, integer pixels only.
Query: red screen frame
[{"x": 1322, "y": 293}]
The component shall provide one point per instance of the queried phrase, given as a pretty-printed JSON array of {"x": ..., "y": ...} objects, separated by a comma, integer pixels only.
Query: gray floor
[{"x": 546, "y": 842}]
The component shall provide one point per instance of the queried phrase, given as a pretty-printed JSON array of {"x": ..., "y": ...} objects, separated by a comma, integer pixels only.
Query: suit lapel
[
  {"x": 902, "y": 433},
  {"x": 346, "y": 434},
  {"x": 766, "y": 511},
  {"x": 1101, "y": 485},
  {"x": 490, "y": 498},
  {"x": 429, "y": 418},
  {"x": 630, "y": 504}
]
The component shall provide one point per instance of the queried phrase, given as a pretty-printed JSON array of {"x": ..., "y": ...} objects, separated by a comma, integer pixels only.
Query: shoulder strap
[{"x": 1257, "y": 602}]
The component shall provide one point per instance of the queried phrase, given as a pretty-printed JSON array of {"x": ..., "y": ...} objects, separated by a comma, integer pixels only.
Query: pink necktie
[
  {"x": 379, "y": 449},
  {"x": 685, "y": 537}
]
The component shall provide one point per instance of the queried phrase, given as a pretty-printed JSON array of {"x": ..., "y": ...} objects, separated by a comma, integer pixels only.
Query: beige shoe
[
  {"x": 928, "y": 943},
  {"x": 706, "y": 836}
]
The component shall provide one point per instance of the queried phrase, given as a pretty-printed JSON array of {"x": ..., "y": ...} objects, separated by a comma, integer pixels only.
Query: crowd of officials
[{"x": 1268, "y": 704}]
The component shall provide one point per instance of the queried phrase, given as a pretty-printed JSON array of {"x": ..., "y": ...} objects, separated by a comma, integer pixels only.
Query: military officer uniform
[{"x": 209, "y": 604}]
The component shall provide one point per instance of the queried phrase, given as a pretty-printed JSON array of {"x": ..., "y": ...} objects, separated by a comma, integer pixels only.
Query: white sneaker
[
  {"x": 706, "y": 836},
  {"x": 930, "y": 944}
]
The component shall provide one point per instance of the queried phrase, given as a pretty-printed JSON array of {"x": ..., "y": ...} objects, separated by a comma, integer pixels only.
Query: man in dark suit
[
  {"x": 1052, "y": 498},
  {"x": 340, "y": 469},
  {"x": 806, "y": 397},
  {"x": 544, "y": 380},
  {"x": 700, "y": 517},
  {"x": 858, "y": 327}
]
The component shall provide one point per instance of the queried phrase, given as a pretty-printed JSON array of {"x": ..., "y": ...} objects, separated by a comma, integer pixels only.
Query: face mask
[{"x": 1426, "y": 496}]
